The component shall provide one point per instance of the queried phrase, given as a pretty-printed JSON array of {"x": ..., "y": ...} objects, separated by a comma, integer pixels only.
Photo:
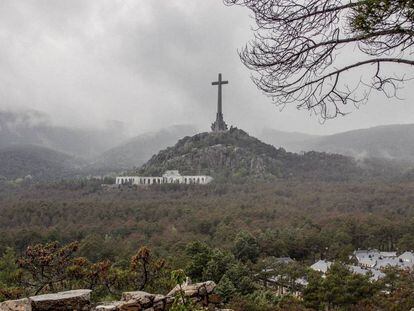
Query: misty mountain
[
  {"x": 291, "y": 141},
  {"x": 34, "y": 128},
  {"x": 137, "y": 150},
  {"x": 235, "y": 155},
  {"x": 31, "y": 145},
  {"x": 393, "y": 142},
  {"x": 40, "y": 163}
]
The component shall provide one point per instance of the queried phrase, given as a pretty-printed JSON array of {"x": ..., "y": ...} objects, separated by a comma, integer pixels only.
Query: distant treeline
[
  {"x": 305, "y": 220},
  {"x": 241, "y": 224}
]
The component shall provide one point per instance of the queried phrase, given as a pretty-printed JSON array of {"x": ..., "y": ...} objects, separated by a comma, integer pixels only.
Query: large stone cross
[
  {"x": 220, "y": 82},
  {"x": 219, "y": 125}
]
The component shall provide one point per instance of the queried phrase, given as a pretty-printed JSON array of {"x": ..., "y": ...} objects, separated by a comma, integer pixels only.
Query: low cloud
[{"x": 148, "y": 64}]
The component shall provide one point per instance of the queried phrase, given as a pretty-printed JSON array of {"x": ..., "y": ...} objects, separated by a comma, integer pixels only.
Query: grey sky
[{"x": 148, "y": 63}]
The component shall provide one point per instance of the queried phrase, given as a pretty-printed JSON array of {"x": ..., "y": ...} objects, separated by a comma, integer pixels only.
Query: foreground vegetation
[{"x": 226, "y": 233}]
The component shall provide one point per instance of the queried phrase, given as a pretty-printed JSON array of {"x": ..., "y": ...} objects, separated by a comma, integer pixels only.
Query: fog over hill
[
  {"x": 394, "y": 142},
  {"x": 32, "y": 127},
  {"x": 137, "y": 150},
  {"x": 291, "y": 141},
  {"x": 37, "y": 163},
  {"x": 31, "y": 143}
]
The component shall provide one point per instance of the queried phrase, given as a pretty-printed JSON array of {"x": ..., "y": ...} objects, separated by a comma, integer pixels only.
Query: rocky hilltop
[{"x": 236, "y": 154}]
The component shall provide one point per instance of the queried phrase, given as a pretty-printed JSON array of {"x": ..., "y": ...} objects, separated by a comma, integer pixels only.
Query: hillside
[
  {"x": 393, "y": 142},
  {"x": 136, "y": 151},
  {"x": 291, "y": 141},
  {"x": 390, "y": 142},
  {"x": 42, "y": 164},
  {"x": 35, "y": 128},
  {"x": 235, "y": 154}
]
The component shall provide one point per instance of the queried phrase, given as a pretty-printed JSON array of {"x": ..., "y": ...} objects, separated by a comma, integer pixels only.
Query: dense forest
[{"x": 225, "y": 232}]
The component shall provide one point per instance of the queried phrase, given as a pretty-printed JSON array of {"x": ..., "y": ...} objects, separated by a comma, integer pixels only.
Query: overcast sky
[{"x": 150, "y": 64}]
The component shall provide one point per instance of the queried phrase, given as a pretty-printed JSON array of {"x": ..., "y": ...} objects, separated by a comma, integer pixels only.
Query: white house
[{"x": 169, "y": 177}]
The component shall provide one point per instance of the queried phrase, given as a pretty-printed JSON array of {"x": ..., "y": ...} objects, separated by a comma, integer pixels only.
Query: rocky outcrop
[
  {"x": 200, "y": 293},
  {"x": 69, "y": 300},
  {"x": 79, "y": 300},
  {"x": 75, "y": 300},
  {"x": 16, "y": 305},
  {"x": 235, "y": 154},
  {"x": 138, "y": 300}
]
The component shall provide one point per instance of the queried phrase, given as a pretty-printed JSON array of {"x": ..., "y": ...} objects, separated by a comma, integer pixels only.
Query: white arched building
[{"x": 169, "y": 177}]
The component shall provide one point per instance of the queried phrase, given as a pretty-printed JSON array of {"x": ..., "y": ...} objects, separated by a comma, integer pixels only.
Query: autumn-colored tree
[
  {"x": 45, "y": 266},
  {"x": 101, "y": 276},
  {"x": 145, "y": 267}
]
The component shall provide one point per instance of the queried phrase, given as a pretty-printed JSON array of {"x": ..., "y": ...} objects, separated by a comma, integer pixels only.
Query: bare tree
[{"x": 296, "y": 54}]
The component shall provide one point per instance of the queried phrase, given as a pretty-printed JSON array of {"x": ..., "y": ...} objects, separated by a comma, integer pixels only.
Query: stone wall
[{"x": 79, "y": 300}]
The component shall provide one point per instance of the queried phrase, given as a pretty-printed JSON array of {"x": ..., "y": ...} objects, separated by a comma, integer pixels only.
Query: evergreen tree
[
  {"x": 226, "y": 289},
  {"x": 246, "y": 247},
  {"x": 9, "y": 276}
]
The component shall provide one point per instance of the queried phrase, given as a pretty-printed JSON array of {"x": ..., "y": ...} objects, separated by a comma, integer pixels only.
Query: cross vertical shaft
[{"x": 219, "y": 124}]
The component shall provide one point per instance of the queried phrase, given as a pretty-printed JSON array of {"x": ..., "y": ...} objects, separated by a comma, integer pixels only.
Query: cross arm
[{"x": 220, "y": 82}]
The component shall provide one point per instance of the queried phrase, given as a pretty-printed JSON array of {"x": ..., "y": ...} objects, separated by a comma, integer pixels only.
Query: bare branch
[{"x": 297, "y": 43}]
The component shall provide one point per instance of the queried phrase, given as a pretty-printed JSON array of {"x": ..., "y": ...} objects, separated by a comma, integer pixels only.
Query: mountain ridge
[
  {"x": 37, "y": 163},
  {"x": 394, "y": 142},
  {"x": 35, "y": 128},
  {"x": 137, "y": 150},
  {"x": 235, "y": 154}
]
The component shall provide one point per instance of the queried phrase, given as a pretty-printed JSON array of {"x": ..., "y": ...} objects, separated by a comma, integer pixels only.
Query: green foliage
[
  {"x": 306, "y": 221},
  {"x": 181, "y": 302},
  {"x": 178, "y": 276},
  {"x": 9, "y": 276},
  {"x": 9, "y": 270},
  {"x": 339, "y": 289},
  {"x": 200, "y": 255},
  {"x": 375, "y": 15},
  {"x": 287, "y": 273},
  {"x": 97, "y": 247},
  {"x": 207, "y": 263},
  {"x": 241, "y": 277},
  {"x": 219, "y": 262},
  {"x": 265, "y": 300},
  {"x": 399, "y": 293},
  {"x": 246, "y": 247},
  {"x": 226, "y": 289}
]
